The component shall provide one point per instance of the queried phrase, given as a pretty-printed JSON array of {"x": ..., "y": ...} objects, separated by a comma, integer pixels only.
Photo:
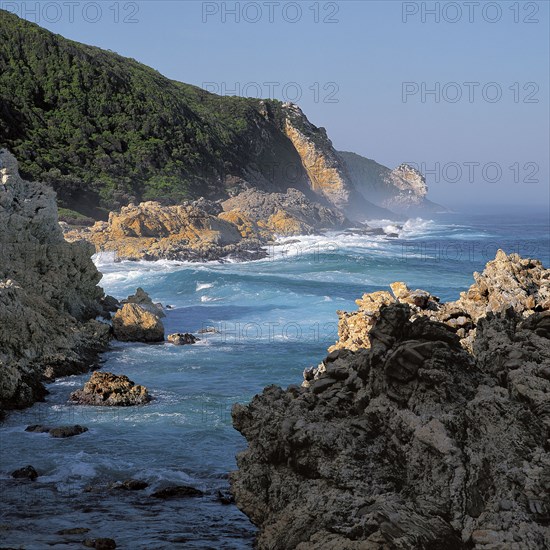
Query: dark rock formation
[
  {"x": 130, "y": 485},
  {"x": 100, "y": 544},
  {"x": 27, "y": 472},
  {"x": 58, "y": 432},
  {"x": 181, "y": 339},
  {"x": 109, "y": 390},
  {"x": 74, "y": 531},
  {"x": 414, "y": 442}
]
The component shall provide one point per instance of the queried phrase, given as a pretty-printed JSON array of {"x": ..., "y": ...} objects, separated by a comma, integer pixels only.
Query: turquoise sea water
[{"x": 275, "y": 317}]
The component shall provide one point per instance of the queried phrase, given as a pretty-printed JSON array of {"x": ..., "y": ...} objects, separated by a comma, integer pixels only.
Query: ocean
[{"x": 273, "y": 318}]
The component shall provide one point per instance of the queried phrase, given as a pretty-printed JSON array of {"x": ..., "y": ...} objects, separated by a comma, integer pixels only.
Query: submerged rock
[
  {"x": 225, "y": 498},
  {"x": 181, "y": 339},
  {"x": 177, "y": 491},
  {"x": 100, "y": 544},
  {"x": 208, "y": 330},
  {"x": 27, "y": 472},
  {"x": 130, "y": 485},
  {"x": 413, "y": 440},
  {"x": 110, "y": 390},
  {"x": 59, "y": 432},
  {"x": 133, "y": 323},
  {"x": 74, "y": 531}
]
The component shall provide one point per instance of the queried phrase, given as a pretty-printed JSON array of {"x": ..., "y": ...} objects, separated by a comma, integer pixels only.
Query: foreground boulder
[
  {"x": 133, "y": 323},
  {"x": 110, "y": 390},
  {"x": 413, "y": 441}
]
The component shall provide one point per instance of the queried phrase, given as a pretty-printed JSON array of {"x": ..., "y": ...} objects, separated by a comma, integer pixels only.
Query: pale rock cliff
[
  {"x": 328, "y": 175},
  {"x": 48, "y": 293},
  {"x": 150, "y": 231}
]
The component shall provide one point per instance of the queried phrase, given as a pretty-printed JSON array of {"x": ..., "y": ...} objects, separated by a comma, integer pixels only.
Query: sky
[{"x": 458, "y": 89}]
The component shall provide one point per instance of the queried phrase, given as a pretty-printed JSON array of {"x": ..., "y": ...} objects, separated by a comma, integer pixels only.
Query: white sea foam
[
  {"x": 210, "y": 299},
  {"x": 203, "y": 286}
]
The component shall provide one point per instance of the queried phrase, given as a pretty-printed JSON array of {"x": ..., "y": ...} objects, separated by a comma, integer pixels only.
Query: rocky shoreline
[
  {"x": 54, "y": 318},
  {"x": 426, "y": 427}
]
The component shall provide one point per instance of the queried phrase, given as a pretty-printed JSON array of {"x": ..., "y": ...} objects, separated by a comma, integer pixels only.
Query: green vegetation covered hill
[{"x": 104, "y": 130}]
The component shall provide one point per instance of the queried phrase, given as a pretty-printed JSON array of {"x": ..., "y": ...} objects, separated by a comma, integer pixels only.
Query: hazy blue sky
[{"x": 348, "y": 61}]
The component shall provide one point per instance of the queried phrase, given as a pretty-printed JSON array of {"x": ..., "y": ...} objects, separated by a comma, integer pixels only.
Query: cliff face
[
  {"x": 327, "y": 174},
  {"x": 48, "y": 292},
  {"x": 402, "y": 190},
  {"x": 413, "y": 442}
]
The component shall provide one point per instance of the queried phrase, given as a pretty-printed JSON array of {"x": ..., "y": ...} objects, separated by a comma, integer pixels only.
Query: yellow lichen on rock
[
  {"x": 247, "y": 227},
  {"x": 284, "y": 224}
]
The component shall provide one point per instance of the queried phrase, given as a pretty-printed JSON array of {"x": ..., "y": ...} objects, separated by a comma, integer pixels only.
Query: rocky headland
[
  {"x": 426, "y": 427},
  {"x": 235, "y": 229},
  {"x": 402, "y": 190},
  {"x": 167, "y": 141},
  {"x": 49, "y": 293}
]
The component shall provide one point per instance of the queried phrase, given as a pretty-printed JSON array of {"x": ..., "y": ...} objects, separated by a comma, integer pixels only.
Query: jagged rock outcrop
[
  {"x": 402, "y": 190},
  {"x": 413, "y": 442},
  {"x": 150, "y": 231},
  {"x": 266, "y": 215},
  {"x": 142, "y": 299},
  {"x": 49, "y": 296},
  {"x": 236, "y": 228},
  {"x": 110, "y": 390},
  {"x": 506, "y": 281},
  {"x": 133, "y": 323}
]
